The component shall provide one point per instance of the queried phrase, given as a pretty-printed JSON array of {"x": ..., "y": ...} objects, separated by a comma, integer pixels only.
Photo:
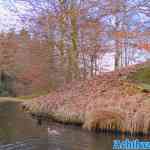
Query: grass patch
[
  {"x": 11, "y": 99},
  {"x": 141, "y": 76},
  {"x": 34, "y": 95}
]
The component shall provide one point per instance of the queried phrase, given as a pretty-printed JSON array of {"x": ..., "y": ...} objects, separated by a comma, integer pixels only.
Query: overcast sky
[{"x": 8, "y": 18}]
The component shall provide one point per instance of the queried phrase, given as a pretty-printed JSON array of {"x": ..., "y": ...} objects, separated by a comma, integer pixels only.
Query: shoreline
[
  {"x": 107, "y": 102},
  {"x": 11, "y": 99}
]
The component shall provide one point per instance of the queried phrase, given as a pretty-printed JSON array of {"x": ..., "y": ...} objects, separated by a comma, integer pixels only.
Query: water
[{"x": 18, "y": 131}]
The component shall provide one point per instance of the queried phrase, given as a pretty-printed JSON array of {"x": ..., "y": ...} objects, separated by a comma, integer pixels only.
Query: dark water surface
[{"x": 18, "y": 131}]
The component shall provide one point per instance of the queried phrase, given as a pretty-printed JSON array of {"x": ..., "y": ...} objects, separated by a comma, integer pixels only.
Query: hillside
[{"x": 115, "y": 100}]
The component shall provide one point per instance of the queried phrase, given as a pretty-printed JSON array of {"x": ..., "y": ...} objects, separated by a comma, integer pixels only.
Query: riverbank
[
  {"x": 11, "y": 99},
  {"x": 23, "y": 98},
  {"x": 118, "y": 100}
]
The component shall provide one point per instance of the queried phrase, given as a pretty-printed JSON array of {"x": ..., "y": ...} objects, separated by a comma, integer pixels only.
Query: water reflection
[
  {"x": 72, "y": 138},
  {"x": 18, "y": 131}
]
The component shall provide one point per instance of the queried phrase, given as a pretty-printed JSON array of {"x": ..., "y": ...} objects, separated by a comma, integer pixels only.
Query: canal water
[{"x": 18, "y": 131}]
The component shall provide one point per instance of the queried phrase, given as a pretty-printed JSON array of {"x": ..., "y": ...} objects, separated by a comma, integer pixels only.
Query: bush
[{"x": 3, "y": 89}]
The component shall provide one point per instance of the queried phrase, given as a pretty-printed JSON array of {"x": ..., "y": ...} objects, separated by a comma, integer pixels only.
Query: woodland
[{"x": 94, "y": 55}]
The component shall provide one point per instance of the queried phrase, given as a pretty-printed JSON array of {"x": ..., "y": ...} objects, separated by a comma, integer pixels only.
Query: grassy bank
[
  {"x": 11, "y": 99},
  {"x": 112, "y": 101}
]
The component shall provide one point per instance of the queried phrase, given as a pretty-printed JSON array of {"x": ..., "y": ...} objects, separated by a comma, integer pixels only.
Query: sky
[
  {"x": 5, "y": 15},
  {"x": 8, "y": 19}
]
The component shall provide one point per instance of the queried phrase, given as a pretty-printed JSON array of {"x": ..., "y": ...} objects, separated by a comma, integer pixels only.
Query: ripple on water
[{"x": 18, "y": 131}]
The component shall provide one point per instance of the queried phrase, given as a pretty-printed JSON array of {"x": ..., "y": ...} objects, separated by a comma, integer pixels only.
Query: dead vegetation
[{"x": 110, "y": 101}]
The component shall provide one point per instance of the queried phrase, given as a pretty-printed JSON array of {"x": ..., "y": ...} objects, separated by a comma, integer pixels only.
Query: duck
[{"x": 53, "y": 132}]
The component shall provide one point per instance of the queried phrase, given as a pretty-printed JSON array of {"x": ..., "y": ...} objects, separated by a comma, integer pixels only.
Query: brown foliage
[{"x": 103, "y": 102}]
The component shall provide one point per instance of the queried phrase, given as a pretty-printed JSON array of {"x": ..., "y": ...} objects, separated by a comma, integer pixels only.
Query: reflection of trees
[
  {"x": 7, "y": 133},
  {"x": 6, "y": 116},
  {"x": 15, "y": 125},
  {"x": 6, "y": 82}
]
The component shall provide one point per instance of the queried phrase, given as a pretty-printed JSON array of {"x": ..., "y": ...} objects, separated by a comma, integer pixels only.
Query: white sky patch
[
  {"x": 8, "y": 19},
  {"x": 143, "y": 17},
  {"x": 107, "y": 62},
  {"x": 23, "y": 7}
]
